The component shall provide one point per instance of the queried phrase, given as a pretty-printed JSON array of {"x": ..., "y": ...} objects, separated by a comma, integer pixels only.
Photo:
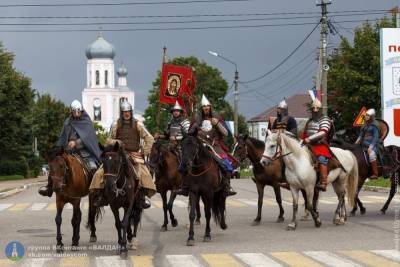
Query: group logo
[{"x": 15, "y": 251}]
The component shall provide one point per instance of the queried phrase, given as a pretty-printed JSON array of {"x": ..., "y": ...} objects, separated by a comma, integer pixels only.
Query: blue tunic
[{"x": 369, "y": 135}]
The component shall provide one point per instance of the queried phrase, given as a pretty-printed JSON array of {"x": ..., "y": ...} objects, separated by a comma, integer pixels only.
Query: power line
[
  {"x": 284, "y": 60},
  {"x": 120, "y": 3}
]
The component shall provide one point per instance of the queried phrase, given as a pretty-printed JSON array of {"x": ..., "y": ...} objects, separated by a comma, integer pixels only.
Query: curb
[
  {"x": 376, "y": 189},
  {"x": 19, "y": 189}
]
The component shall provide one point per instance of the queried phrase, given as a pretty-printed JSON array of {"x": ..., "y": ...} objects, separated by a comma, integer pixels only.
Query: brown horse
[
  {"x": 204, "y": 181},
  {"x": 70, "y": 185},
  {"x": 251, "y": 148},
  {"x": 165, "y": 165}
]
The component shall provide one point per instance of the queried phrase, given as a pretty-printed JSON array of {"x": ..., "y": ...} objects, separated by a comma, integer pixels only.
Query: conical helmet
[
  {"x": 204, "y": 101},
  {"x": 283, "y": 104},
  {"x": 316, "y": 103},
  {"x": 177, "y": 106}
]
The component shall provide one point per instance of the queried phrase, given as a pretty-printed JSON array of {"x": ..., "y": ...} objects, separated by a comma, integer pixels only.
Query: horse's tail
[
  {"x": 352, "y": 182},
  {"x": 218, "y": 208}
]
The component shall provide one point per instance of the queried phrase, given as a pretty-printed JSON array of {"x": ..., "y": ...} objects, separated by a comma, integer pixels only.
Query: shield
[{"x": 384, "y": 128}]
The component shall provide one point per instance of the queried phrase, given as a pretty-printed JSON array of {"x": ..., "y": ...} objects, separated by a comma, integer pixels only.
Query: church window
[
  {"x": 106, "y": 77},
  {"x": 97, "y": 77}
]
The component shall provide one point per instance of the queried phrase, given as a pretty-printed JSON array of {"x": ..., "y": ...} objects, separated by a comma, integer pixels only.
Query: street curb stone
[{"x": 19, "y": 189}]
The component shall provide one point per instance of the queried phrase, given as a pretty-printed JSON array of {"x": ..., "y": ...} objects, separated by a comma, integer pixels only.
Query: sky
[{"x": 56, "y": 61}]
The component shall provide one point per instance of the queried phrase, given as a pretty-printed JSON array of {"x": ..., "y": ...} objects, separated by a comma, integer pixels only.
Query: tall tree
[
  {"x": 354, "y": 76},
  {"x": 209, "y": 82}
]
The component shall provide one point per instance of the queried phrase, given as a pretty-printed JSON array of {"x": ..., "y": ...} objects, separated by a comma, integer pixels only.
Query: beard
[{"x": 316, "y": 115}]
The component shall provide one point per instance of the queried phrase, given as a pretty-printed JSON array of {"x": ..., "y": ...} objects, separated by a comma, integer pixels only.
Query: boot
[
  {"x": 228, "y": 189},
  {"x": 184, "y": 190},
  {"x": 284, "y": 184},
  {"x": 47, "y": 190},
  {"x": 323, "y": 174},
  {"x": 374, "y": 170},
  {"x": 98, "y": 198},
  {"x": 144, "y": 203}
]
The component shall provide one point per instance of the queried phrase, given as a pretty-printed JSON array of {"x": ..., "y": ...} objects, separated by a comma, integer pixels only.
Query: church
[{"x": 102, "y": 96}]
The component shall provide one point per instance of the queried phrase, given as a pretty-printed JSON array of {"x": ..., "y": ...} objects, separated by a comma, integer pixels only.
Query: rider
[
  {"x": 316, "y": 134},
  {"x": 213, "y": 131},
  {"x": 369, "y": 138},
  {"x": 287, "y": 123},
  {"x": 79, "y": 135},
  {"x": 131, "y": 133},
  {"x": 283, "y": 120}
]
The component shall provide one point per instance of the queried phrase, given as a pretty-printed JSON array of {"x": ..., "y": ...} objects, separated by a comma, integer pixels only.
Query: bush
[
  {"x": 14, "y": 167},
  {"x": 11, "y": 177},
  {"x": 35, "y": 166}
]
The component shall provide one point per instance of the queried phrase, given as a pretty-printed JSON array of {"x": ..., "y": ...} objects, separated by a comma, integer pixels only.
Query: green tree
[
  {"x": 101, "y": 133},
  {"x": 354, "y": 76},
  {"x": 208, "y": 81}
]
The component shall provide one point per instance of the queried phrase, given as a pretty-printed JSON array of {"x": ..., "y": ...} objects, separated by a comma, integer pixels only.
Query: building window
[
  {"x": 106, "y": 77},
  {"x": 90, "y": 79},
  {"x": 97, "y": 109},
  {"x": 97, "y": 77}
]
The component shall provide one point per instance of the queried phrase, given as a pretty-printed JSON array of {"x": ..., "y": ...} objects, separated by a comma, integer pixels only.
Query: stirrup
[{"x": 45, "y": 191}]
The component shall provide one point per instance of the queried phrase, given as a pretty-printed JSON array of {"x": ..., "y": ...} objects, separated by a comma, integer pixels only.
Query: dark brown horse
[
  {"x": 204, "y": 181},
  {"x": 120, "y": 190},
  {"x": 70, "y": 185},
  {"x": 251, "y": 148},
  {"x": 165, "y": 165}
]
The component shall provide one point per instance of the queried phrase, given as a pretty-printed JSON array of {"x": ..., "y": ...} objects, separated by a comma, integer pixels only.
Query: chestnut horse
[
  {"x": 165, "y": 165},
  {"x": 70, "y": 185}
]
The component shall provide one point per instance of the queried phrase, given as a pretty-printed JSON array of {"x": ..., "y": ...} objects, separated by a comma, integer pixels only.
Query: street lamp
[{"x": 236, "y": 93}]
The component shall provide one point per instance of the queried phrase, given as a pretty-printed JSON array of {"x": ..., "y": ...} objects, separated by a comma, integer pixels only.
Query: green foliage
[
  {"x": 381, "y": 182},
  {"x": 14, "y": 167},
  {"x": 101, "y": 133},
  {"x": 354, "y": 76},
  {"x": 11, "y": 177},
  {"x": 208, "y": 81}
]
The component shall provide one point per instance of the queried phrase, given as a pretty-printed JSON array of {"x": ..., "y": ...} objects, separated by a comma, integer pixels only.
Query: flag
[{"x": 176, "y": 81}]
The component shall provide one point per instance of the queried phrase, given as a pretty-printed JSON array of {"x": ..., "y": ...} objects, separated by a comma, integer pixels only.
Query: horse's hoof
[
  {"x": 133, "y": 244},
  {"x": 280, "y": 220},
  {"x": 74, "y": 248},
  {"x": 207, "y": 238},
  {"x": 60, "y": 248},
  {"x": 291, "y": 227},
  {"x": 93, "y": 239},
  {"x": 336, "y": 221},
  {"x": 255, "y": 223},
  {"x": 382, "y": 212},
  {"x": 190, "y": 242},
  {"x": 352, "y": 214},
  {"x": 224, "y": 226},
  {"x": 124, "y": 254},
  {"x": 174, "y": 223},
  {"x": 197, "y": 222},
  {"x": 342, "y": 221},
  {"x": 363, "y": 210},
  {"x": 164, "y": 228},
  {"x": 317, "y": 223}
]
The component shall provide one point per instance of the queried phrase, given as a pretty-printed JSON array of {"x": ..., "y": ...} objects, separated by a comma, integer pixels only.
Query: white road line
[
  {"x": 38, "y": 206},
  {"x": 183, "y": 261},
  {"x": 180, "y": 203},
  {"x": 5, "y": 206},
  {"x": 68, "y": 206},
  {"x": 106, "y": 261},
  {"x": 35, "y": 262},
  {"x": 257, "y": 260},
  {"x": 326, "y": 201},
  {"x": 390, "y": 254},
  {"x": 248, "y": 202},
  {"x": 331, "y": 259}
]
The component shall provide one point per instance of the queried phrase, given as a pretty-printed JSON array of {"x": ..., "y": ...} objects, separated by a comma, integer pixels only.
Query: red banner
[{"x": 176, "y": 81}]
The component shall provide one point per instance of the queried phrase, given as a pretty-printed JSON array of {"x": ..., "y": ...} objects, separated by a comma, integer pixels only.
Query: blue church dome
[{"x": 100, "y": 49}]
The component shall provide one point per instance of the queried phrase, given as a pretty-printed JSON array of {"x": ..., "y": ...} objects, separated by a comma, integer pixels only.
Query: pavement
[
  {"x": 365, "y": 240},
  {"x": 8, "y": 188}
]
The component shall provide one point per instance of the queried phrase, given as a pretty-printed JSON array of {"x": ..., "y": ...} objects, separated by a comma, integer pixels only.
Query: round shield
[{"x": 384, "y": 127}]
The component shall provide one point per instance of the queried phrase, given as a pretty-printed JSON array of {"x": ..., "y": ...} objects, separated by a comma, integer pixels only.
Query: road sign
[{"x": 360, "y": 120}]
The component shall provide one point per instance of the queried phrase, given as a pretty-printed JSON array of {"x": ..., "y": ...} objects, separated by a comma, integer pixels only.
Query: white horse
[{"x": 300, "y": 174}]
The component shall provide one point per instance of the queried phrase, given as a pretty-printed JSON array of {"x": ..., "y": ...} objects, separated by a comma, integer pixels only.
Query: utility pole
[
  {"x": 235, "y": 105},
  {"x": 324, "y": 56}
]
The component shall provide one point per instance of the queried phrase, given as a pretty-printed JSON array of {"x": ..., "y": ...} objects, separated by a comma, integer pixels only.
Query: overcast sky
[{"x": 56, "y": 61}]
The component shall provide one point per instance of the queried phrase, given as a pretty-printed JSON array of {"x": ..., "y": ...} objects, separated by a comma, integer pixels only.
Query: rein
[
  {"x": 118, "y": 191},
  {"x": 278, "y": 152}
]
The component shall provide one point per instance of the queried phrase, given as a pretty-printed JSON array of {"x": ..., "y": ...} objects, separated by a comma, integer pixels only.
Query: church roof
[{"x": 100, "y": 49}]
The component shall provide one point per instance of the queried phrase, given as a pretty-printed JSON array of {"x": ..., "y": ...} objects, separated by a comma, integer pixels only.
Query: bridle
[
  {"x": 61, "y": 178},
  {"x": 278, "y": 151},
  {"x": 197, "y": 166},
  {"x": 118, "y": 191}
]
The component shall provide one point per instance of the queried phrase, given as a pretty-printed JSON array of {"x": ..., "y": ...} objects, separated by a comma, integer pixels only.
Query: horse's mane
[
  {"x": 292, "y": 141},
  {"x": 257, "y": 143}
]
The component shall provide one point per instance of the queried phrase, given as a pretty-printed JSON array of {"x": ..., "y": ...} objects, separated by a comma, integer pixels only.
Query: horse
[
  {"x": 204, "y": 179},
  {"x": 165, "y": 166},
  {"x": 70, "y": 185},
  {"x": 120, "y": 189},
  {"x": 391, "y": 170},
  {"x": 248, "y": 147},
  {"x": 300, "y": 174}
]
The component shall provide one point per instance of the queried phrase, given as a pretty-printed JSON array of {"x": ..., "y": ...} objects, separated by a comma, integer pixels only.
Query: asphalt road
[{"x": 365, "y": 240}]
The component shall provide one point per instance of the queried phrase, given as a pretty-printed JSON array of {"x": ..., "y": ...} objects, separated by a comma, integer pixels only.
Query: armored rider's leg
[
  {"x": 374, "y": 164},
  {"x": 323, "y": 173},
  {"x": 283, "y": 182},
  {"x": 47, "y": 190},
  {"x": 184, "y": 190},
  {"x": 144, "y": 203},
  {"x": 227, "y": 184},
  {"x": 96, "y": 189}
]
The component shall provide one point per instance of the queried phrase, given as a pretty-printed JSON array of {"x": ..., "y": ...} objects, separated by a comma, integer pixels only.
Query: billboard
[{"x": 390, "y": 82}]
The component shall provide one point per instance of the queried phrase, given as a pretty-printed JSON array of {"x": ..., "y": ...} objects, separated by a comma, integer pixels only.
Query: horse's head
[
  {"x": 240, "y": 148},
  {"x": 155, "y": 154},
  {"x": 112, "y": 159},
  {"x": 190, "y": 150},
  {"x": 272, "y": 148},
  {"x": 58, "y": 168}
]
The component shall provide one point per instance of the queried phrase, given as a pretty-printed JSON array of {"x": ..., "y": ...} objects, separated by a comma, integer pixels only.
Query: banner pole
[{"x": 164, "y": 60}]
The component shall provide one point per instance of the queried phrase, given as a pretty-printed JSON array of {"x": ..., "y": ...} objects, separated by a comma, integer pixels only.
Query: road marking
[
  {"x": 52, "y": 206},
  {"x": 366, "y": 200},
  {"x": 157, "y": 203},
  {"x": 34, "y": 262},
  {"x": 142, "y": 261},
  {"x": 390, "y": 254},
  {"x": 369, "y": 259},
  {"x": 221, "y": 260},
  {"x": 183, "y": 261},
  {"x": 5, "y": 206},
  {"x": 331, "y": 259},
  {"x": 257, "y": 260},
  {"x": 85, "y": 205},
  {"x": 295, "y": 259},
  {"x": 269, "y": 202},
  {"x": 248, "y": 202},
  {"x": 6, "y": 263},
  {"x": 68, "y": 206},
  {"x": 234, "y": 203},
  {"x": 74, "y": 262},
  {"x": 290, "y": 202},
  {"x": 19, "y": 207},
  {"x": 180, "y": 203},
  {"x": 106, "y": 261},
  {"x": 324, "y": 201},
  {"x": 38, "y": 206}
]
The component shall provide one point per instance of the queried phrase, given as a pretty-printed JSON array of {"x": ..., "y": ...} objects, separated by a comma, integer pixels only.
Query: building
[
  {"x": 297, "y": 104},
  {"x": 102, "y": 97}
]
